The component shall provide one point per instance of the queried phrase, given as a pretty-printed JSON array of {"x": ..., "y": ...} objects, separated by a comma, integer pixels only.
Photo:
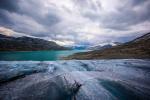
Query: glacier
[{"x": 119, "y": 79}]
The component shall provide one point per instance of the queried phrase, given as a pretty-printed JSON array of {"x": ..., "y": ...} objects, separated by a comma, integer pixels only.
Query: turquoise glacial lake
[{"x": 36, "y": 55}]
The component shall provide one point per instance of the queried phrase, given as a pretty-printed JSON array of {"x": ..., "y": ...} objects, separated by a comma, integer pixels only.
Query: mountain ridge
[
  {"x": 24, "y": 43},
  {"x": 104, "y": 46},
  {"x": 137, "y": 48}
]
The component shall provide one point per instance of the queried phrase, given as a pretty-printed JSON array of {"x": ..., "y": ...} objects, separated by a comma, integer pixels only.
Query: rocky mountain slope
[
  {"x": 137, "y": 48},
  {"x": 104, "y": 46},
  {"x": 24, "y": 43}
]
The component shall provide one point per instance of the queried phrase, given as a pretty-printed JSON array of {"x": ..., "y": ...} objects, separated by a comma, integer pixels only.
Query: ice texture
[{"x": 120, "y": 79}]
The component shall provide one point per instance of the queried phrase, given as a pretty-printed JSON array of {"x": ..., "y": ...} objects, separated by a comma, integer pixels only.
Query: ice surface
[{"x": 101, "y": 79}]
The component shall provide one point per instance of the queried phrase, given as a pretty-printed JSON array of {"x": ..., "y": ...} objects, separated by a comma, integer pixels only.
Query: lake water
[{"x": 36, "y": 55}]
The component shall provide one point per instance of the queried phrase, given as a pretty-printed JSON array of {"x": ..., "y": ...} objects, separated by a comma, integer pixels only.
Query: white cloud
[
  {"x": 71, "y": 22},
  {"x": 10, "y": 32}
]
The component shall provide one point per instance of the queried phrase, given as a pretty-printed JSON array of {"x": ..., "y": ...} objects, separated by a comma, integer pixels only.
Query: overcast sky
[{"x": 76, "y": 22}]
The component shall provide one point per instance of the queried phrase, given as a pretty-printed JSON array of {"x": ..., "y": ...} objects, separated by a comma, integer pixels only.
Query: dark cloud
[
  {"x": 134, "y": 14},
  {"x": 49, "y": 19},
  {"x": 126, "y": 15},
  {"x": 4, "y": 20},
  {"x": 129, "y": 16},
  {"x": 138, "y": 2},
  {"x": 16, "y": 15},
  {"x": 36, "y": 11},
  {"x": 7, "y": 6},
  {"x": 10, "y": 5}
]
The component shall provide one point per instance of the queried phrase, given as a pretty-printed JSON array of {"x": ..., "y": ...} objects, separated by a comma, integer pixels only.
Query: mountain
[
  {"x": 104, "y": 46},
  {"x": 8, "y": 43},
  {"x": 137, "y": 48},
  {"x": 79, "y": 47}
]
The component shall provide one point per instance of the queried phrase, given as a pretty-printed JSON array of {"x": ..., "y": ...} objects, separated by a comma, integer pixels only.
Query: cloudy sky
[{"x": 76, "y": 22}]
